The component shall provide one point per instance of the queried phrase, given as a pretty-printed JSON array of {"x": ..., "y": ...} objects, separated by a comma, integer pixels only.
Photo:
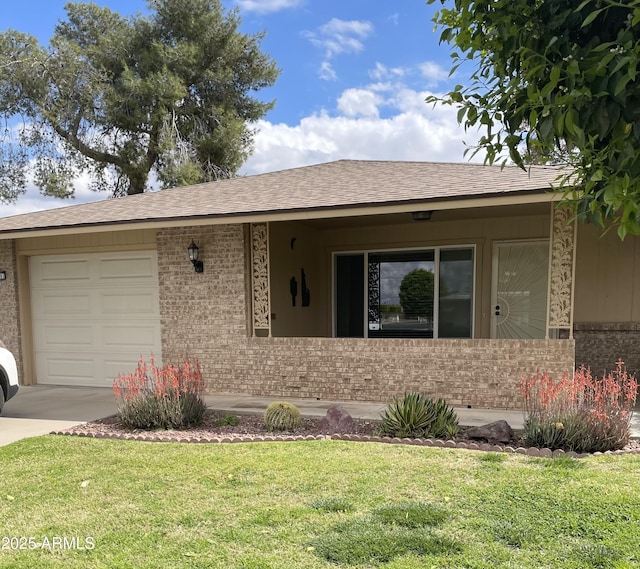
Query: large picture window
[{"x": 402, "y": 294}]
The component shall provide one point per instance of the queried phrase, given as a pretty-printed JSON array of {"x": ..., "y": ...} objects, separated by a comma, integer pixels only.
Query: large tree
[
  {"x": 416, "y": 294},
  {"x": 556, "y": 76},
  {"x": 169, "y": 93}
]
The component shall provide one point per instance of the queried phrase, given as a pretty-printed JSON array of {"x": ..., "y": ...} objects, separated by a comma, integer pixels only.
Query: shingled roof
[{"x": 342, "y": 186}]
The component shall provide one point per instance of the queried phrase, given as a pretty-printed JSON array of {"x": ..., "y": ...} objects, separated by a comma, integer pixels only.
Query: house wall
[
  {"x": 205, "y": 316},
  {"x": 88, "y": 242},
  {"x": 478, "y": 373},
  {"x": 10, "y": 329},
  {"x": 607, "y": 300},
  {"x": 295, "y": 247}
]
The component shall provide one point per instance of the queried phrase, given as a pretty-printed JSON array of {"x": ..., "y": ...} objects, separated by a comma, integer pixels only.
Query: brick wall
[
  {"x": 9, "y": 310},
  {"x": 479, "y": 373},
  {"x": 600, "y": 344},
  {"x": 205, "y": 315},
  {"x": 199, "y": 310}
]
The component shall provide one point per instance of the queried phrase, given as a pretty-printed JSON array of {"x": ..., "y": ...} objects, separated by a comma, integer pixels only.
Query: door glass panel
[
  {"x": 456, "y": 293},
  {"x": 520, "y": 290},
  {"x": 401, "y": 294},
  {"x": 350, "y": 296}
]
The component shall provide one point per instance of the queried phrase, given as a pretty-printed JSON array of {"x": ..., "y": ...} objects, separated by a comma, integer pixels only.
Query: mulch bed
[{"x": 251, "y": 428}]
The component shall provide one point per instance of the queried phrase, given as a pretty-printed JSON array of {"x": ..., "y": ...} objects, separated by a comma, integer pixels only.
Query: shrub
[
  {"x": 228, "y": 420},
  {"x": 282, "y": 416},
  {"x": 161, "y": 397},
  {"x": 580, "y": 413},
  {"x": 416, "y": 415}
]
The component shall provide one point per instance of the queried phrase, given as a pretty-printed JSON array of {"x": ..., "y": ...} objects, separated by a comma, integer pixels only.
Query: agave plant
[{"x": 416, "y": 415}]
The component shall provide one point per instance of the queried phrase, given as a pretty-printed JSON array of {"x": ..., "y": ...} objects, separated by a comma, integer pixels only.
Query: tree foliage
[
  {"x": 116, "y": 98},
  {"x": 416, "y": 293},
  {"x": 552, "y": 77}
]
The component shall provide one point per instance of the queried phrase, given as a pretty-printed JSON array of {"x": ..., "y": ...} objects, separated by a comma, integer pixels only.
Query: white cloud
[
  {"x": 33, "y": 200},
  {"x": 382, "y": 72},
  {"x": 327, "y": 72},
  {"x": 359, "y": 102},
  {"x": 267, "y": 6},
  {"x": 416, "y": 131},
  {"x": 337, "y": 37},
  {"x": 433, "y": 72}
]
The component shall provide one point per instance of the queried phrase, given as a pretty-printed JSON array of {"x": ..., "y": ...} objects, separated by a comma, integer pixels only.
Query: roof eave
[{"x": 297, "y": 214}]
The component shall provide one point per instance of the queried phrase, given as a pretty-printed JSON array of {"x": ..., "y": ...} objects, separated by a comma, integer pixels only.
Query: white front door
[{"x": 519, "y": 289}]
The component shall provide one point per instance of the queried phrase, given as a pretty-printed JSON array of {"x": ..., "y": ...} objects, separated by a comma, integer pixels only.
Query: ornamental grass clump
[
  {"x": 416, "y": 415},
  {"x": 169, "y": 397},
  {"x": 580, "y": 413},
  {"x": 282, "y": 416}
]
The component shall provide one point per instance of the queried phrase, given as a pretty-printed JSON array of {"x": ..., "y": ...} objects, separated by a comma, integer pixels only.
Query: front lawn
[{"x": 316, "y": 504}]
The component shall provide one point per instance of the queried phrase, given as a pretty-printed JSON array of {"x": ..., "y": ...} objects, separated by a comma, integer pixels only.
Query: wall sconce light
[
  {"x": 3, "y": 275},
  {"x": 193, "y": 257},
  {"x": 421, "y": 215}
]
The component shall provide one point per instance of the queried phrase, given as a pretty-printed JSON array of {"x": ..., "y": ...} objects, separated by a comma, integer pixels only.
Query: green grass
[{"x": 315, "y": 504}]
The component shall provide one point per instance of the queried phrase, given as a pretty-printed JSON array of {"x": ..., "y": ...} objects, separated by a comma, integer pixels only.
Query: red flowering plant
[
  {"x": 168, "y": 397},
  {"x": 582, "y": 413}
]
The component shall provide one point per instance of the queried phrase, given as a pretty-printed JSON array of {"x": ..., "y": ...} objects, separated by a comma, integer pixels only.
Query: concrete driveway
[{"x": 40, "y": 409}]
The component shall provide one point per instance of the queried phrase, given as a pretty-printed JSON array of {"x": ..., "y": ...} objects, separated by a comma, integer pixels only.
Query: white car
[{"x": 8, "y": 375}]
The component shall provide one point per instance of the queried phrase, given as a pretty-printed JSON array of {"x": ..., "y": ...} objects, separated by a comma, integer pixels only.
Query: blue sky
[{"x": 354, "y": 76}]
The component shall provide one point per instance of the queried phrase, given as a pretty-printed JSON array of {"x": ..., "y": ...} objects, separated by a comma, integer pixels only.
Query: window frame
[{"x": 436, "y": 300}]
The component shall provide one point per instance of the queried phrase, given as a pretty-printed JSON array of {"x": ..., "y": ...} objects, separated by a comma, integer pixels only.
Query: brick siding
[
  {"x": 599, "y": 345},
  {"x": 478, "y": 373}
]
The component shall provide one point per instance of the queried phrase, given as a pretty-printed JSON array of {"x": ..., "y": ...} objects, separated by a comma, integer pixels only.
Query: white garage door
[{"x": 93, "y": 315}]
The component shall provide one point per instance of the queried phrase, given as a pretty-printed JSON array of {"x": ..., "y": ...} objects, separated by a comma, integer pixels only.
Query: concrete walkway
[
  {"x": 366, "y": 410},
  {"x": 38, "y": 410}
]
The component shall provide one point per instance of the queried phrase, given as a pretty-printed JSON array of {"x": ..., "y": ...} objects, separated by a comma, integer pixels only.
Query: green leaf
[
  {"x": 621, "y": 85},
  {"x": 622, "y": 231},
  {"x": 592, "y": 16}
]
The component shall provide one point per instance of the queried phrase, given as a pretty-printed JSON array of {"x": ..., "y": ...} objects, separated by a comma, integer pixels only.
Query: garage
[{"x": 93, "y": 315}]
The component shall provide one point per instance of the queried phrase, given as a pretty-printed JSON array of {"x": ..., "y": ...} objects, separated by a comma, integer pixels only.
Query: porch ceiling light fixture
[
  {"x": 421, "y": 215},
  {"x": 193, "y": 251}
]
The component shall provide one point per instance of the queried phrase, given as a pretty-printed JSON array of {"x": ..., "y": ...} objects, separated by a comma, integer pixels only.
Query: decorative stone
[
  {"x": 496, "y": 432},
  {"x": 337, "y": 420}
]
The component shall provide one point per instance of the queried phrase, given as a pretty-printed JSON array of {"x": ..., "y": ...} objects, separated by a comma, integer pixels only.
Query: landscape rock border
[{"x": 435, "y": 443}]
